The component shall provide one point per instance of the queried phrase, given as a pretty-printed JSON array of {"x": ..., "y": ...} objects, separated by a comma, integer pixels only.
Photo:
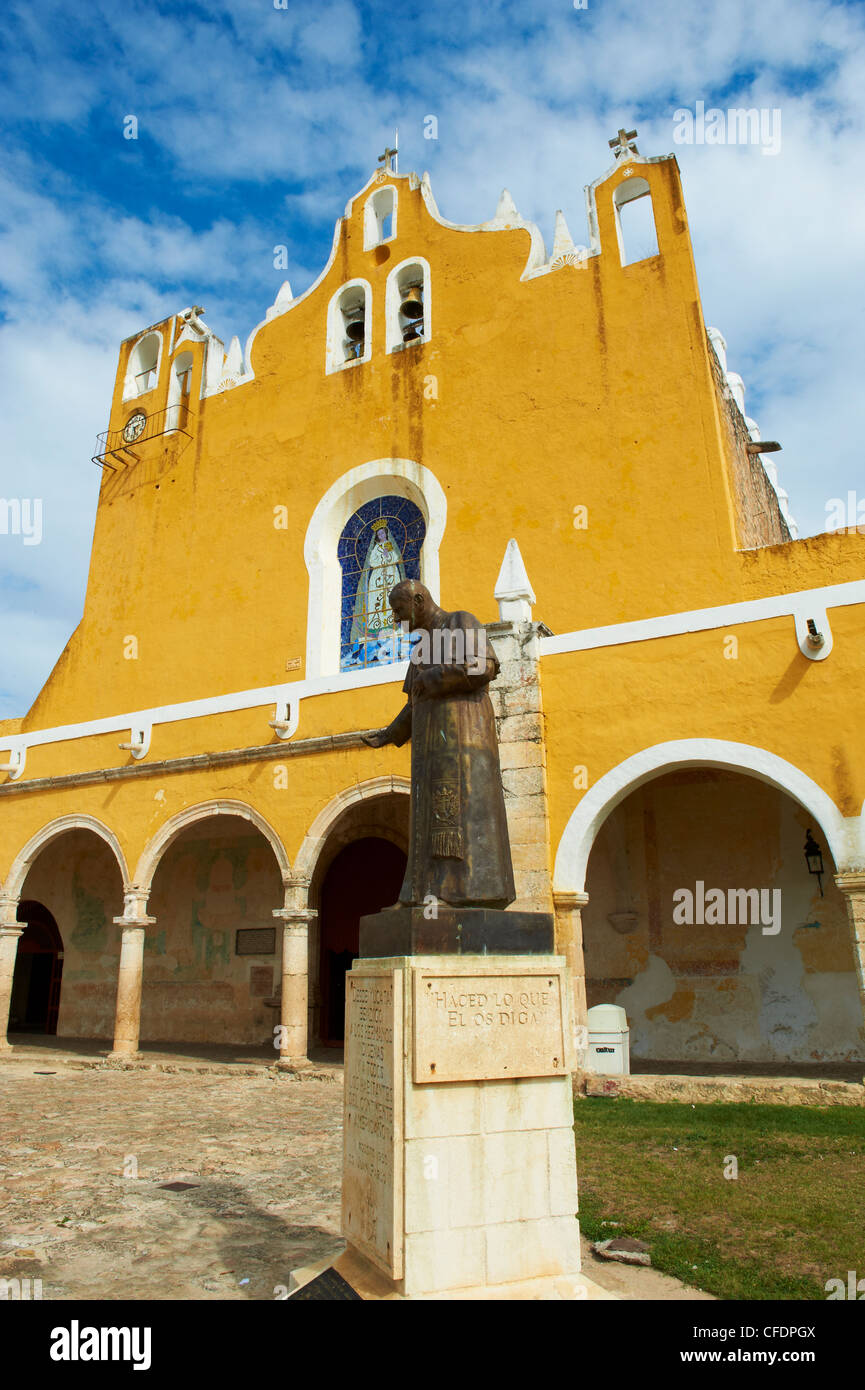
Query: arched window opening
[
  {"x": 379, "y": 218},
  {"x": 143, "y": 366},
  {"x": 379, "y": 546},
  {"x": 349, "y": 326},
  {"x": 407, "y": 305},
  {"x": 635, "y": 221},
  {"x": 179, "y": 387}
]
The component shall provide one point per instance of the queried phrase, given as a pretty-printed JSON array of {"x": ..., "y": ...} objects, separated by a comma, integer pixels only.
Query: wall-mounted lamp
[{"x": 814, "y": 859}]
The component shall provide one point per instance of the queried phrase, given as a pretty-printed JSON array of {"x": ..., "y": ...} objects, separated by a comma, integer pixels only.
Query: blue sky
[{"x": 256, "y": 124}]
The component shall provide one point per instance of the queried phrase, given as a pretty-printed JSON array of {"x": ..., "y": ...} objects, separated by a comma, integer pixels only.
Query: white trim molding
[
  {"x": 323, "y": 676},
  {"x": 378, "y": 478},
  {"x": 25, "y": 858},
  {"x": 168, "y": 833},
  {"x": 803, "y": 604},
  {"x": 843, "y": 834},
  {"x": 327, "y": 818}
]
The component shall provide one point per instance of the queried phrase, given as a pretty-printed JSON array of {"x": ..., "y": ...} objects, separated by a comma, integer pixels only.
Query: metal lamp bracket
[
  {"x": 813, "y": 633},
  {"x": 285, "y": 720},
  {"x": 139, "y": 740},
  {"x": 16, "y": 764}
]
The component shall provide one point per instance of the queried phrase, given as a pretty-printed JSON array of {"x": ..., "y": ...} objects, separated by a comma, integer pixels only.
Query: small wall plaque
[{"x": 255, "y": 941}]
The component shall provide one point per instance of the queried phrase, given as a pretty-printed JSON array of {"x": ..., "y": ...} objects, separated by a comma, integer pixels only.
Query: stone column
[
  {"x": 569, "y": 943},
  {"x": 127, "y": 1015},
  {"x": 517, "y": 702},
  {"x": 294, "y": 1001},
  {"x": 853, "y": 887},
  {"x": 10, "y": 934}
]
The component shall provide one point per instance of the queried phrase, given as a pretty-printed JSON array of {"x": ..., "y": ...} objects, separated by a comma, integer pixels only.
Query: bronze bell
[
  {"x": 412, "y": 332},
  {"x": 412, "y": 303},
  {"x": 354, "y": 325}
]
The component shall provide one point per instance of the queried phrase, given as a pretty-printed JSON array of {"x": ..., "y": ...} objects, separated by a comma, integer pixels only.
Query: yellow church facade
[{"x": 190, "y": 823}]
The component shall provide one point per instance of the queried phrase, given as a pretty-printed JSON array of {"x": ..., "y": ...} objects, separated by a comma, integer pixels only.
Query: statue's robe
[{"x": 458, "y": 847}]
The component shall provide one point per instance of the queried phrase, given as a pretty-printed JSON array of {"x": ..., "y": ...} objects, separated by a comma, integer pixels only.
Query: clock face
[{"x": 134, "y": 426}]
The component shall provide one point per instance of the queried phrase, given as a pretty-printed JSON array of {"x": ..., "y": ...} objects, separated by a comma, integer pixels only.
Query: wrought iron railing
[{"x": 117, "y": 448}]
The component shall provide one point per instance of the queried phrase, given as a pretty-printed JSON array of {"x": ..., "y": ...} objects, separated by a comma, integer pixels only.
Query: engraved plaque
[
  {"x": 255, "y": 941},
  {"x": 260, "y": 981},
  {"x": 372, "y": 1216},
  {"x": 488, "y": 1027}
]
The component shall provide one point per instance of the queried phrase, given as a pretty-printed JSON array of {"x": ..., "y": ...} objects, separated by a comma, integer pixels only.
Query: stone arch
[
  {"x": 328, "y": 818},
  {"x": 168, "y": 833},
  {"x": 402, "y": 477},
  {"x": 569, "y": 873},
  {"x": 25, "y": 858}
]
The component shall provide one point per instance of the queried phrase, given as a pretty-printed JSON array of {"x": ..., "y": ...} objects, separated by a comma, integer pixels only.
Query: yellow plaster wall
[{"x": 552, "y": 393}]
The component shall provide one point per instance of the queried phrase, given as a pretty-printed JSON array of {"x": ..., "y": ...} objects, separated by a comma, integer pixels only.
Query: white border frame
[
  {"x": 371, "y": 224},
  {"x": 844, "y": 834},
  {"x": 401, "y": 477},
  {"x": 134, "y": 394},
  {"x": 334, "y": 360},
  {"x": 393, "y": 332}
]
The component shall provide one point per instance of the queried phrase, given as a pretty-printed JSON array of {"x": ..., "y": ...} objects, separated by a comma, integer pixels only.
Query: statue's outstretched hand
[{"x": 377, "y": 740}]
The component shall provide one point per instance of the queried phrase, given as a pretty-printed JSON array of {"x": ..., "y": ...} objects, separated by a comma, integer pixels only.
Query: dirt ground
[{"x": 84, "y": 1153}]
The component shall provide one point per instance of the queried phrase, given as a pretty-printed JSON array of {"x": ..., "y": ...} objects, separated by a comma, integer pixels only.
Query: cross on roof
[
  {"x": 622, "y": 142},
  {"x": 389, "y": 155}
]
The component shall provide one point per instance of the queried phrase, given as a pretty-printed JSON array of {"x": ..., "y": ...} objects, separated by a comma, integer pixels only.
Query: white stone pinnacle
[
  {"x": 234, "y": 359},
  {"x": 506, "y": 211},
  {"x": 513, "y": 592},
  {"x": 563, "y": 242},
  {"x": 284, "y": 296}
]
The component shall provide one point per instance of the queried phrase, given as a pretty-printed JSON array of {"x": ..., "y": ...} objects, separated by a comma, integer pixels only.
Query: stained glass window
[{"x": 380, "y": 545}]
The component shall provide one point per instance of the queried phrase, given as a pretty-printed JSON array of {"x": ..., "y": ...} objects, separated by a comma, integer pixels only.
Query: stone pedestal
[
  {"x": 443, "y": 930},
  {"x": 459, "y": 1175}
]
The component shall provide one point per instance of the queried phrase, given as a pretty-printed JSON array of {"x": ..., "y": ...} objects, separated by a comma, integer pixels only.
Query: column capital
[
  {"x": 564, "y": 899},
  {"x": 11, "y": 931},
  {"x": 296, "y": 916},
  {"x": 135, "y": 907},
  {"x": 852, "y": 882},
  {"x": 9, "y": 911},
  {"x": 128, "y": 924},
  {"x": 296, "y": 902}
]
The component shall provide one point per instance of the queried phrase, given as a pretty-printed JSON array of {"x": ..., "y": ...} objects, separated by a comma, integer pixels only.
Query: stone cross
[
  {"x": 389, "y": 155},
  {"x": 622, "y": 142}
]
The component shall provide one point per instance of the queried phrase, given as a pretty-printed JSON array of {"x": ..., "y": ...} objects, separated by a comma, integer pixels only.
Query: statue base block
[
  {"x": 459, "y": 1173},
  {"x": 456, "y": 931}
]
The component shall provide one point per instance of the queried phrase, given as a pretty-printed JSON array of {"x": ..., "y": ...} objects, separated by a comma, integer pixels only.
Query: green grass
[{"x": 793, "y": 1218}]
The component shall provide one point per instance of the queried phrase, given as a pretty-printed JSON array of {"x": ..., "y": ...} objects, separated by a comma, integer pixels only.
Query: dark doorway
[
  {"x": 38, "y": 969},
  {"x": 364, "y": 877}
]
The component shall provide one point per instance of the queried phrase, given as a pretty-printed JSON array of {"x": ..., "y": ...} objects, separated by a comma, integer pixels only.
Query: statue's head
[{"x": 412, "y": 603}]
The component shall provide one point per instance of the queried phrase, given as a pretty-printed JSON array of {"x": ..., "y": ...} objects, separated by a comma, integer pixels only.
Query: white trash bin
[{"x": 608, "y": 1050}]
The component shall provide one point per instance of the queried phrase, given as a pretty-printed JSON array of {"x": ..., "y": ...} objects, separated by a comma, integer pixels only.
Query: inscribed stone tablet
[
  {"x": 372, "y": 1180},
  {"x": 487, "y": 1027},
  {"x": 255, "y": 941}
]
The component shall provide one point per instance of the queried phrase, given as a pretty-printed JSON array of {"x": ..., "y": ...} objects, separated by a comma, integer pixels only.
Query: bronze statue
[{"x": 459, "y": 852}]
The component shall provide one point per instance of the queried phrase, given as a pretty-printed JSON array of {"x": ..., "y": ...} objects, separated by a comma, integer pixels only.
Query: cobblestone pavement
[
  {"x": 84, "y": 1151},
  {"x": 264, "y": 1153}
]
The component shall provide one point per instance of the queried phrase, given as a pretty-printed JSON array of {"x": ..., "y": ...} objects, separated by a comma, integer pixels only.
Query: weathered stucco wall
[
  {"x": 719, "y": 992},
  {"x": 211, "y": 882}
]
